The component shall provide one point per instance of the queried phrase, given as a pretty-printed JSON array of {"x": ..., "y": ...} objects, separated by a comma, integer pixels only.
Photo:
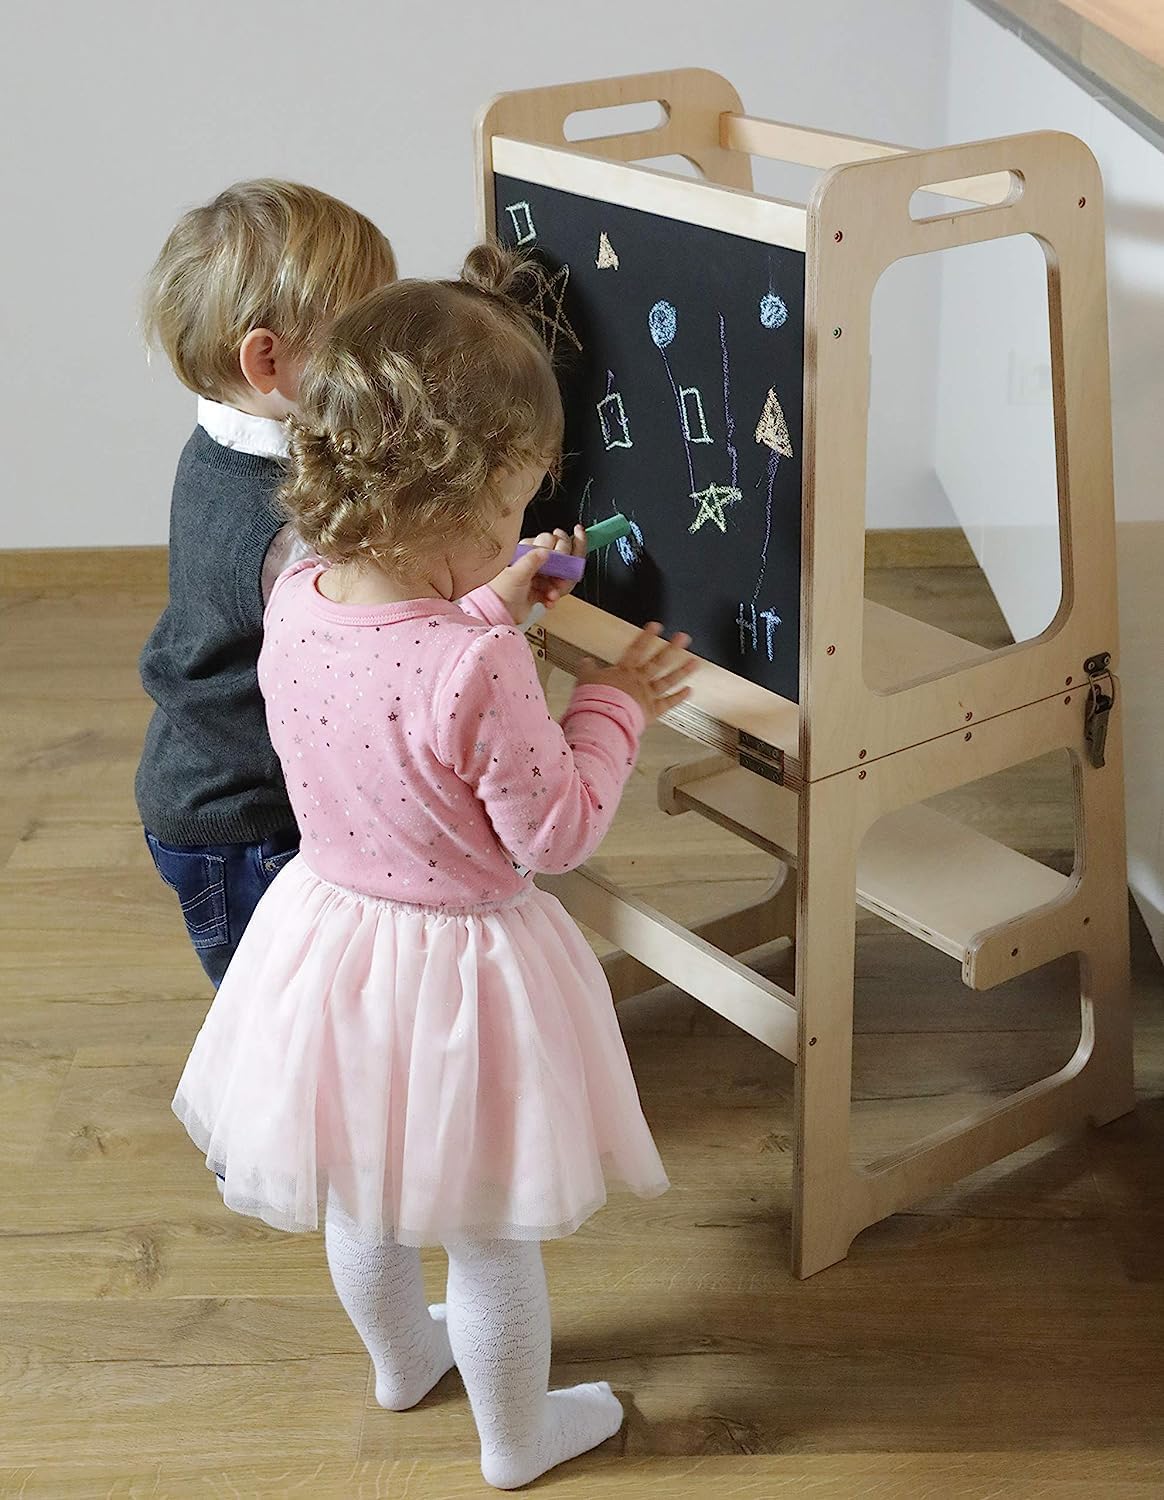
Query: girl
[{"x": 411, "y": 1031}]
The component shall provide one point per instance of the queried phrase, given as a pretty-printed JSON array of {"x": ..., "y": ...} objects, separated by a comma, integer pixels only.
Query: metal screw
[
  {"x": 831, "y": 651},
  {"x": 861, "y": 775},
  {"x": 838, "y": 236},
  {"x": 1014, "y": 953},
  {"x": 1082, "y": 202},
  {"x": 969, "y": 715},
  {"x": 1086, "y": 920},
  {"x": 968, "y": 735},
  {"x": 861, "y": 754},
  {"x": 1067, "y": 699},
  {"x": 812, "y": 1041},
  {"x": 1069, "y": 681},
  {"x": 836, "y": 332}
]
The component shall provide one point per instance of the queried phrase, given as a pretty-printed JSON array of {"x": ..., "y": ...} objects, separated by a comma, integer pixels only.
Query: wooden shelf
[
  {"x": 900, "y": 649},
  {"x": 927, "y": 874},
  {"x": 721, "y": 706}
]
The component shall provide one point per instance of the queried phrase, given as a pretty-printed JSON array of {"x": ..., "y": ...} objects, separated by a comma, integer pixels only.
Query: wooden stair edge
[{"x": 925, "y": 872}]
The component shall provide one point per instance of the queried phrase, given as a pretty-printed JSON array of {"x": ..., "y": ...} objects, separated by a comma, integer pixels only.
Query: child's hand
[
  {"x": 651, "y": 670},
  {"x": 519, "y": 587}
]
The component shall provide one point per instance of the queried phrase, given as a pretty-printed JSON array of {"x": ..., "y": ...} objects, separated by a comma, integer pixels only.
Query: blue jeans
[{"x": 218, "y": 887}]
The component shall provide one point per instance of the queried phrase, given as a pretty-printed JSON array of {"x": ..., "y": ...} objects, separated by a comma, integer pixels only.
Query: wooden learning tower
[{"x": 891, "y": 711}]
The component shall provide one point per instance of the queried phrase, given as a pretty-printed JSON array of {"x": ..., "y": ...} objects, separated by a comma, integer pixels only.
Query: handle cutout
[
  {"x": 946, "y": 200},
  {"x": 615, "y": 119},
  {"x": 681, "y": 166}
]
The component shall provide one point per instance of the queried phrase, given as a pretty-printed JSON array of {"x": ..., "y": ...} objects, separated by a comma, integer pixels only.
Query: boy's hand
[
  {"x": 651, "y": 670},
  {"x": 519, "y": 587}
]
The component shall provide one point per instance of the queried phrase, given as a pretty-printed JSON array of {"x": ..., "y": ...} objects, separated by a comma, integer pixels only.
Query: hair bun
[{"x": 502, "y": 273}]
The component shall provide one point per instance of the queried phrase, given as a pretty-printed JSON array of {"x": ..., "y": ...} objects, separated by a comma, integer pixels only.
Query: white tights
[{"x": 497, "y": 1330}]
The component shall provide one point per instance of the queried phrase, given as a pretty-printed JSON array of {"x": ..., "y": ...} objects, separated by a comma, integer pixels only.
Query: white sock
[
  {"x": 499, "y": 1326},
  {"x": 382, "y": 1291}
]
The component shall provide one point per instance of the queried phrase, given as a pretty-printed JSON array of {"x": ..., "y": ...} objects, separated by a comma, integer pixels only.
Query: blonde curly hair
[{"x": 412, "y": 402}]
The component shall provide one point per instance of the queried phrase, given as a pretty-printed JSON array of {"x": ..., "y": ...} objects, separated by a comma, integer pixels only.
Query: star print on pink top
[{"x": 420, "y": 758}]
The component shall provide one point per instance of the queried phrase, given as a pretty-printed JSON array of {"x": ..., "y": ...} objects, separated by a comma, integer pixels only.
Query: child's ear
[{"x": 260, "y": 359}]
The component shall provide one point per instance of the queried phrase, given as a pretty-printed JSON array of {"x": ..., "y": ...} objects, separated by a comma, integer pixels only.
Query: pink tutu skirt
[{"x": 444, "y": 1074}]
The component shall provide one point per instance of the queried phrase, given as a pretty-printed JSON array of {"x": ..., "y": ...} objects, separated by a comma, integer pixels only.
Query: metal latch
[{"x": 1100, "y": 702}]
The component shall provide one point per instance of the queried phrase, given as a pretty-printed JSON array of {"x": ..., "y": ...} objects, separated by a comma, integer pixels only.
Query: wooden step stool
[{"x": 891, "y": 711}]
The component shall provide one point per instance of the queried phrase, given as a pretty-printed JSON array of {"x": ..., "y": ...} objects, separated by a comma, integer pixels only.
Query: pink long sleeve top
[{"x": 421, "y": 761}]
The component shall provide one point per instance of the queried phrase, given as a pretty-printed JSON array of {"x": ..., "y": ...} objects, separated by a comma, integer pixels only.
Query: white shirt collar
[{"x": 238, "y": 429}]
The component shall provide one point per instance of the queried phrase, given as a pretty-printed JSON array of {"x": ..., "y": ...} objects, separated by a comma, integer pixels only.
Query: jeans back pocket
[{"x": 199, "y": 881}]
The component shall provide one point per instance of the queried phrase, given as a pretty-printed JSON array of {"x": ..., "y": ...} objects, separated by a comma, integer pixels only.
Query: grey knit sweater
[{"x": 208, "y": 773}]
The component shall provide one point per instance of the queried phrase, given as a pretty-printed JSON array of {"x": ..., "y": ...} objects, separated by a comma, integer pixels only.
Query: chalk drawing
[
  {"x": 522, "y": 220},
  {"x": 748, "y": 622},
  {"x": 662, "y": 321},
  {"x": 612, "y": 415},
  {"x": 772, "y": 428},
  {"x": 729, "y": 420},
  {"x": 555, "y": 324},
  {"x": 630, "y": 548},
  {"x": 773, "y": 312},
  {"x": 771, "y": 619},
  {"x": 607, "y": 258},
  {"x": 712, "y": 503},
  {"x": 694, "y": 422}
]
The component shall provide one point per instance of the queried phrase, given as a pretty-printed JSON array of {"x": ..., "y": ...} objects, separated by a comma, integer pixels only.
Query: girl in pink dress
[{"x": 411, "y": 1034}]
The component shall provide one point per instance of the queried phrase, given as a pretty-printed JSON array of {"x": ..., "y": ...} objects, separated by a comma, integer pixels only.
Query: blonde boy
[{"x": 241, "y": 288}]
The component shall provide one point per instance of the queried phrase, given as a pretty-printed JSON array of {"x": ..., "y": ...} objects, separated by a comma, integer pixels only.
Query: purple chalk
[{"x": 557, "y": 564}]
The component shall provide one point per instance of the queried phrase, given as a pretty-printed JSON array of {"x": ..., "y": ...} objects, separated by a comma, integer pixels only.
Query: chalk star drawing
[
  {"x": 694, "y": 422},
  {"x": 773, "y": 312},
  {"x": 555, "y": 324},
  {"x": 522, "y": 220},
  {"x": 772, "y": 428},
  {"x": 612, "y": 415},
  {"x": 607, "y": 257},
  {"x": 712, "y": 502}
]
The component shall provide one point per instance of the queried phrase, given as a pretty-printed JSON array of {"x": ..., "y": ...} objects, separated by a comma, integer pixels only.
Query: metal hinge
[
  {"x": 766, "y": 760},
  {"x": 1100, "y": 702}
]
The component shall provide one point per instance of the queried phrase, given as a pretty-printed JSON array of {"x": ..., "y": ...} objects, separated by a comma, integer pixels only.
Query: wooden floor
[{"x": 1006, "y": 1338}]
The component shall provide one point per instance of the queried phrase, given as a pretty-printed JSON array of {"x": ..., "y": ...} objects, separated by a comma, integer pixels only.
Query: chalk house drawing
[
  {"x": 712, "y": 503},
  {"x": 615, "y": 429},
  {"x": 522, "y": 220},
  {"x": 607, "y": 259},
  {"x": 694, "y": 422},
  {"x": 772, "y": 428}
]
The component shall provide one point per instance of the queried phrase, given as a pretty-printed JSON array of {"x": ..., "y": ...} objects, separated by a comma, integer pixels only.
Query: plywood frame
[{"x": 890, "y": 712}]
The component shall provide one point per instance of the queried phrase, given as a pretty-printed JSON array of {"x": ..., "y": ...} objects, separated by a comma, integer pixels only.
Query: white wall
[
  {"x": 1000, "y": 86},
  {"x": 121, "y": 115}
]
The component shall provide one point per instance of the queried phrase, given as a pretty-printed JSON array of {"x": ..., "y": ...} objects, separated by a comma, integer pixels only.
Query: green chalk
[{"x": 606, "y": 532}]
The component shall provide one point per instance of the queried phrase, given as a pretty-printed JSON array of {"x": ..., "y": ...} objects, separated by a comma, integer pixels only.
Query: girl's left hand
[{"x": 520, "y": 588}]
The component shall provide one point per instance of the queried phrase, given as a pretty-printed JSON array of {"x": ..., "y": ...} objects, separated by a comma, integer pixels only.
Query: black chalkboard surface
[{"x": 680, "y": 350}]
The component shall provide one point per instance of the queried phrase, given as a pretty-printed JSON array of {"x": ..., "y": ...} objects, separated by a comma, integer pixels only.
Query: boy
[{"x": 240, "y": 289}]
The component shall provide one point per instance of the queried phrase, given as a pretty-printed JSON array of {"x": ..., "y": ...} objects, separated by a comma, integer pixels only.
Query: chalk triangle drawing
[
  {"x": 772, "y": 428},
  {"x": 606, "y": 254}
]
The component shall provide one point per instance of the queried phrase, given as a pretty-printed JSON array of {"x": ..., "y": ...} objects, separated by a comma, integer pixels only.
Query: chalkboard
[{"x": 680, "y": 351}]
